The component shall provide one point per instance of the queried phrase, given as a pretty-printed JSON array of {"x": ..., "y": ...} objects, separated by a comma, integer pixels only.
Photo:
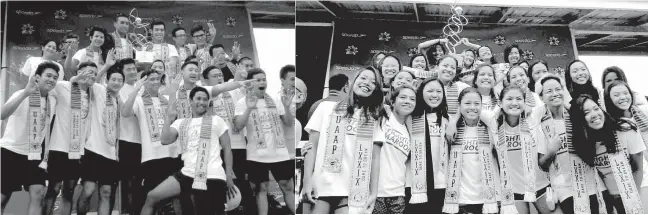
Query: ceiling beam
[
  {"x": 639, "y": 21},
  {"x": 270, "y": 8},
  {"x": 582, "y": 14},
  {"x": 595, "y": 39},
  {"x": 505, "y": 12},
  {"x": 614, "y": 30},
  {"x": 633, "y": 45},
  {"x": 416, "y": 12},
  {"x": 332, "y": 8}
]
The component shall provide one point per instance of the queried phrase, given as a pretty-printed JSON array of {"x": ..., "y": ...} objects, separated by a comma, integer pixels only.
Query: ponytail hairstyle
[{"x": 502, "y": 114}]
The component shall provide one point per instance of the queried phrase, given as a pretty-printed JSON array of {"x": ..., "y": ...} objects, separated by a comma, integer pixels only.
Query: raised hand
[
  {"x": 212, "y": 29},
  {"x": 236, "y": 49},
  {"x": 175, "y": 84},
  {"x": 140, "y": 83},
  {"x": 72, "y": 48},
  {"x": 32, "y": 85},
  {"x": 251, "y": 101},
  {"x": 111, "y": 59},
  {"x": 287, "y": 98}
]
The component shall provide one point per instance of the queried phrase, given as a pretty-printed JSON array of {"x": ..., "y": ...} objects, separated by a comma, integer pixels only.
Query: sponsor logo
[
  {"x": 377, "y": 51},
  {"x": 60, "y": 14},
  {"x": 499, "y": 40},
  {"x": 345, "y": 68},
  {"x": 351, "y": 50},
  {"x": 525, "y": 41},
  {"x": 230, "y": 21},
  {"x": 232, "y": 36},
  {"x": 60, "y": 31},
  {"x": 553, "y": 41},
  {"x": 353, "y": 35},
  {"x": 25, "y": 48},
  {"x": 528, "y": 54},
  {"x": 384, "y": 36},
  {"x": 413, "y": 37},
  {"x": 555, "y": 55},
  {"x": 177, "y": 19},
  {"x": 28, "y": 13},
  {"x": 203, "y": 20},
  {"x": 27, "y": 28},
  {"x": 90, "y": 16}
]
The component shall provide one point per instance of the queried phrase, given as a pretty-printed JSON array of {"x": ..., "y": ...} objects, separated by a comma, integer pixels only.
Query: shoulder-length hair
[
  {"x": 373, "y": 59},
  {"x": 576, "y": 90},
  {"x": 614, "y": 111},
  {"x": 508, "y": 50},
  {"x": 372, "y": 106},
  {"x": 430, "y": 56},
  {"x": 584, "y": 138},
  {"x": 616, "y": 70},
  {"x": 420, "y": 55},
  {"x": 492, "y": 59},
  {"x": 530, "y": 73},
  {"x": 396, "y": 92},
  {"x": 422, "y": 107}
]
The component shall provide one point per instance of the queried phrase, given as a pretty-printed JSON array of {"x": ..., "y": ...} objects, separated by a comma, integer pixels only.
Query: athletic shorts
[
  {"x": 60, "y": 167},
  {"x": 158, "y": 170},
  {"x": 99, "y": 169},
  {"x": 211, "y": 200},
  {"x": 130, "y": 159},
  {"x": 389, "y": 205},
  {"x": 18, "y": 172},
  {"x": 259, "y": 172}
]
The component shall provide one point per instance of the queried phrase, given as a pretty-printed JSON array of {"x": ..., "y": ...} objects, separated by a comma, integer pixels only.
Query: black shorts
[
  {"x": 18, "y": 171},
  {"x": 60, "y": 167},
  {"x": 259, "y": 172},
  {"x": 99, "y": 169},
  {"x": 239, "y": 164},
  {"x": 539, "y": 193},
  {"x": 130, "y": 159},
  {"x": 158, "y": 170},
  {"x": 205, "y": 201}
]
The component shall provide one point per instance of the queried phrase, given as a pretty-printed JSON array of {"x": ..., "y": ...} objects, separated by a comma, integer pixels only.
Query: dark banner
[
  {"x": 30, "y": 23},
  {"x": 356, "y": 41}
]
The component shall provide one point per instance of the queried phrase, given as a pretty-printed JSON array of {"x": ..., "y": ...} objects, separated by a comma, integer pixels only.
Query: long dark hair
[
  {"x": 474, "y": 57},
  {"x": 502, "y": 115},
  {"x": 397, "y": 91},
  {"x": 373, "y": 59},
  {"x": 422, "y": 107},
  {"x": 430, "y": 55},
  {"x": 474, "y": 83},
  {"x": 492, "y": 59},
  {"x": 614, "y": 111},
  {"x": 576, "y": 90},
  {"x": 420, "y": 55},
  {"x": 508, "y": 50},
  {"x": 585, "y": 138},
  {"x": 371, "y": 105},
  {"x": 530, "y": 73},
  {"x": 109, "y": 41},
  {"x": 616, "y": 70},
  {"x": 463, "y": 93}
]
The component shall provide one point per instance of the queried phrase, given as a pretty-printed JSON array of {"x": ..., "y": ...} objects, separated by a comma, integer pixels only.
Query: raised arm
[
  {"x": 427, "y": 44},
  {"x": 169, "y": 134},
  {"x": 69, "y": 66},
  {"x": 288, "y": 118},
  {"x": 467, "y": 42},
  {"x": 127, "y": 108},
  {"x": 110, "y": 61},
  {"x": 11, "y": 105},
  {"x": 241, "y": 120},
  {"x": 309, "y": 166},
  {"x": 229, "y": 86}
]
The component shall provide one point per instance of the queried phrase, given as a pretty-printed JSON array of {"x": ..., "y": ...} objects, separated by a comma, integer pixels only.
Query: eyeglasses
[
  {"x": 198, "y": 36},
  {"x": 181, "y": 35}
]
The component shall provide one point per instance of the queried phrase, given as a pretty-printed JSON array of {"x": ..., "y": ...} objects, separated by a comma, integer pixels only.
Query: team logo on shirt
[
  {"x": 602, "y": 160},
  {"x": 177, "y": 19},
  {"x": 513, "y": 142},
  {"x": 27, "y": 28},
  {"x": 412, "y": 51},
  {"x": 351, "y": 50},
  {"x": 397, "y": 140},
  {"x": 553, "y": 41},
  {"x": 500, "y": 40},
  {"x": 528, "y": 54},
  {"x": 384, "y": 36},
  {"x": 230, "y": 21},
  {"x": 60, "y": 14},
  {"x": 470, "y": 146}
]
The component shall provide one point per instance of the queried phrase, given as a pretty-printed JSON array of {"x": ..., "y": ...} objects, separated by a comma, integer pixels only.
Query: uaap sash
[
  {"x": 80, "y": 105},
  {"x": 625, "y": 180},
  {"x": 361, "y": 169},
  {"x": 39, "y": 121},
  {"x": 111, "y": 121},
  {"x": 204, "y": 145},
  {"x": 121, "y": 50},
  {"x": 182, "y": 104},
  {"x": 418, "y": 161},
  {"x": 642, "y": 121},
  {"x": 255, "y": 126},
  {"x": 452, "y": 97},
  {"x": 154, "y": 110}
]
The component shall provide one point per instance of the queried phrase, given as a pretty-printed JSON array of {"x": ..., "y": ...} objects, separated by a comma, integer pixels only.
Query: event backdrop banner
[
  {"x": 30, "y": 23},
  {"x": 356, "y": 41}
]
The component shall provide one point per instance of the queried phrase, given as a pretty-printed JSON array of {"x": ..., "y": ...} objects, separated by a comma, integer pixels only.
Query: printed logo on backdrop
[
  {"x": 232, "y": 36},
  {"x": 345, "y": 68},
  {"x": 413, "y": 37},
  {"x": 353, "y": 35},
  {"x": 177, "y": 19},
  {"x": 25, "y": 48},
  {"x": 384, "y": 36},
  {"x": 27, "y": 29},
  {"x": 58, "y": 31},
  {"x": 525, "y": 41},
  {"x": 90, "y": 16},
  {"x": 203, "y": 20},
  {"x": 351, "y": 50},
  {"x": 553, "y": 41},
  {"x": 60, "y": 14},
  {"x": 555, "y": 55},
  {"x": 374, "y": 51},
  {"x": 500, "y": 40},
  {"x": 230, "y": 21},
  {"x": 559, "y": 71},
  {"x": 528, "y": 54},
  {"x": 27, "y": 13},
  {"x": 412, "y": 51}
]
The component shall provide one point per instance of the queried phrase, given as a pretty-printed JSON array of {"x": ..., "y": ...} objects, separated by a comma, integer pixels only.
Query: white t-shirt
[
  {"x": 487, "y": 104},
  {"x": 559, "y": 172},
  {"x": 157, "y": 49},
  {"x": 215, "y": 168},
  {"x": 60, "y": 140},
  {"x": 97, "y": 141},
  {"x": 516, "y": 162},
  {"x": 471, "y": 169},
  {"x": 631, "y": 143},
  {"x": 81, "y": 57},
  {"x": 16, "y": 136},
  {"x": 152, "y": 151},
  {"x": 393, "y": 156},
  {"x": 335, "y": 184},
  {"x": 32, "y": 63},
  {"x": 237, "y": 139},
  {"x": 128, "y": 126},
  {"x": 270, "y": 154}
]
